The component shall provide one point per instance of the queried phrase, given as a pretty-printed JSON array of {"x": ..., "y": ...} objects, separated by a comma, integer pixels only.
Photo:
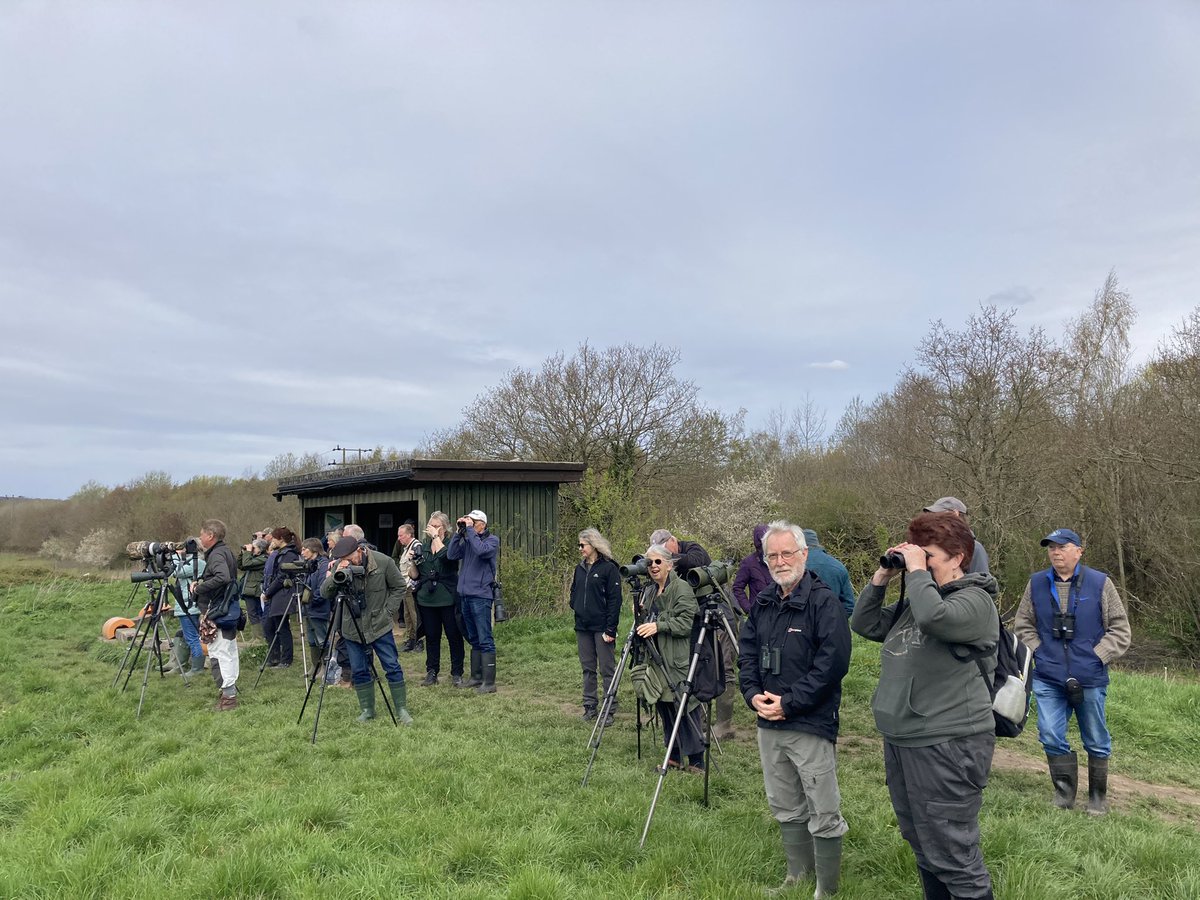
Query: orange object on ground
[{"x": 109, "y": 631}]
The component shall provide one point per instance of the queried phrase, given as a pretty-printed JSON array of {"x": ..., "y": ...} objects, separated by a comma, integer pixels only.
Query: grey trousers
[
  {"x": 800, "y": 777},
  {"x": 595, "y": 652},
  {"x": 937, "y": 792}
]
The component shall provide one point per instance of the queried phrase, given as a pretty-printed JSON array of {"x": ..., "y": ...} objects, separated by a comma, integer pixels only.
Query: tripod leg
[
  {"x": 146, "y": 676},
  {"x": 303, "y": 636},
  {"x": 662, "y": 771},
  {"x": 270, "y": 650},
  {"x": 129, "y": 650},
  {"x": 327, "y": 655},
  {"x": 601, "y": 718}
]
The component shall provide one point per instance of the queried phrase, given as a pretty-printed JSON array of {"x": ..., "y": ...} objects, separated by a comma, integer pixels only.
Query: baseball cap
[
  {"x": 1062, "y": 536},
  {"x": 478, "y": 515},
  {"x": 947, "y": 504}
]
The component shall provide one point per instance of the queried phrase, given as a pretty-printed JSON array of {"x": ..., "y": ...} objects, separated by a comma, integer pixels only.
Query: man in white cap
[
  {"x": 979, "y": 559},
  {"x": 478, "y": 549}
]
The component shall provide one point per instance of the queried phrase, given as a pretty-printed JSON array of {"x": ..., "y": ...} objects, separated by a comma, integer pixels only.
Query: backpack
[
  {"x": 708, "y": 681},
  {"x": 227, "y": 611},
  {"x": 1011, "y": 684}
]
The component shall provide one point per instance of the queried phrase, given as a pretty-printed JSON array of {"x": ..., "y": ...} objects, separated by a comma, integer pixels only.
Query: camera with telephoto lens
[
  {"x": 152, "y": 549},
  {"x": 346, "y": 576},
  {"x": 893, "y": 560},
  {"x": 1063, "y": 627}
]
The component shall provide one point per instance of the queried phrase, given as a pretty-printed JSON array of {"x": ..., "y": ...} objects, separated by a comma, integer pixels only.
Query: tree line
[{"x": 1031, "y": 431}]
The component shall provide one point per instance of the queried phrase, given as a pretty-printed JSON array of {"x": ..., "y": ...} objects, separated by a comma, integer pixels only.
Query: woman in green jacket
[
  {"x": 671, "y": 609},
  {"x": 434, "y": 575}
]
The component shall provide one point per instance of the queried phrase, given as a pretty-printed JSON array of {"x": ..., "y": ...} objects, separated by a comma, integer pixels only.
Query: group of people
[
  {"x": 932, "y": 706},
  {"x": 349, "y": 619}
]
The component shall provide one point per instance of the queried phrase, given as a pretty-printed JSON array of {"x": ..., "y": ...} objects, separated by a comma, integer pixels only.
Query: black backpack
[
  {"x": 708, "y": 681},
  {"x": 1012, "y": 683}
]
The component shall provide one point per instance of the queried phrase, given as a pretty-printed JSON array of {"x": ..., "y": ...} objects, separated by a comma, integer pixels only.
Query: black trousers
[
  {"x": 282, "y": 626},
  {"x": 435, "y": 620},
  {"x": 937, "y": 792},
  {"x": 690, "y": 740}
]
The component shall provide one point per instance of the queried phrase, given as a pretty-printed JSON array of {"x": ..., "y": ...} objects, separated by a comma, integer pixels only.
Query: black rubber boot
[
  {"x": 1064, "y": 774},
  {"x": 723, "y": 727},
  {"x": 366, "y": 700},
  {"x": 828, "y": 856},
  {"x": 488, "y": 663},
  {"x": 933, "y": 887},
  {"x": 476, "y": 678},
  {"x": 400, "y": 702},
  {"x": 798, "y": 848},
  {"x": 1097, "y": 785}
]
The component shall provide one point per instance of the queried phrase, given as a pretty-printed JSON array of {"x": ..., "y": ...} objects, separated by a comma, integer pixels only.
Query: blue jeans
[
  {"x": 190, "y": 633},
  {"x": 317, "y": 631},
  {"x": 385, "y": 651},
  {"x": 477, "y": 617},
  {"x": 1054, "y": 712}
]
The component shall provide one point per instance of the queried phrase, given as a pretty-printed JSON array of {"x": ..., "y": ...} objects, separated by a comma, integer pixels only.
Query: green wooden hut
[{"x": 520, "y": 498}]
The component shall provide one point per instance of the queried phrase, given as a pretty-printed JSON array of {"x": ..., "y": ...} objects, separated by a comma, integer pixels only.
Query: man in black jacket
[
  {"x": 596, "y": 600},
  {"x": 220, "y": 568},
  {"x": 794, "y": 652}
]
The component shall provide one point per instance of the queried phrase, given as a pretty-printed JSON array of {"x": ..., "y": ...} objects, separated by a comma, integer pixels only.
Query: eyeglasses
[
  {"x": 654, "y": 563},
  {"x": 783, "y": 556}
]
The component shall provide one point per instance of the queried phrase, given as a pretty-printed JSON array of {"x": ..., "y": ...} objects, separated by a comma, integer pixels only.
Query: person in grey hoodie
[{"x": 934, "y": 710}]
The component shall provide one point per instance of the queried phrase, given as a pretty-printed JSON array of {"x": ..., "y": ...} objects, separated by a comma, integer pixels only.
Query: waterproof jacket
[
  {"x": 806, "y": 632},
  {"x": 833, "y": 573},
  {"x": 319, "y": 606},
  {"x": 438, "y": 578},
  {"x": 251, "y": 565},
  {"x": 689, "y": 557},
  {"x": 927, "y": 695},
  {"x": 477, "y": 552},
  {"x": 379, "y": 591},
  {"x": 185, "y": 574},
  {"x": 1056, "y": 660},
  {"x": 753, "y": 577},
  {"x": 278, "y": 584},
  {"x": 674, "y": 610},
  {"x": 596, "y": 596},
  {"x": 219, "y": 569}
]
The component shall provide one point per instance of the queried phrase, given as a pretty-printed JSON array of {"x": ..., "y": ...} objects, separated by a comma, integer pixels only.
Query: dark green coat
[
  {"x": 382, "y": 591},
  {"x": 252, "y": 565},
  {"x": 677, "y": 608},
  {"x": 439, "y": 576}
]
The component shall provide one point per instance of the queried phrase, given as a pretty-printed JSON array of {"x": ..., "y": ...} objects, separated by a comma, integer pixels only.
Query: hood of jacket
[{"x": 759, "y": 532}]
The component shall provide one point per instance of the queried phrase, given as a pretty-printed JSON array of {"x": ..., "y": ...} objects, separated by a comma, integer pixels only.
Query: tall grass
[{"x": 481, "y": 797}]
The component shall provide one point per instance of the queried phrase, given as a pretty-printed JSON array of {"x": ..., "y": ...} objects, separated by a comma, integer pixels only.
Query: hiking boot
[
  {"x": 589, "y": 715},
  {"x": 1097, "y": 785},
  {"x": 456, "y": 680},
  {"x": 1064, "y": 774},
  {"x": 430, "y": 679},
  {"x": 409, "y": 646},
  {"x": 228, "y": 700}
]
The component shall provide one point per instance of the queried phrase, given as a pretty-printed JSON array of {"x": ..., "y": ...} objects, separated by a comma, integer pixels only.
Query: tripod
[
  {"x": 341, "y": 603},
  {"x": 294, "y": 600},
  {"x": 149, "y": 624},
  {"x": 633, "y": 651},
  {"x": 712, "y": 617}
]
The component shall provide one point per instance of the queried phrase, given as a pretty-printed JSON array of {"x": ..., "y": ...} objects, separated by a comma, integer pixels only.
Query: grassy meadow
[{"x": 482, "y": 797}]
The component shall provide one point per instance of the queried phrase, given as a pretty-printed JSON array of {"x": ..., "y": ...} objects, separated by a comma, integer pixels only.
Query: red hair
[{"x": 946, "y": 530}]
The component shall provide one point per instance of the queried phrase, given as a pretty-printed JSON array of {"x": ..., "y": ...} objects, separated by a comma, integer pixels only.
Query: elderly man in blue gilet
[
  {"x": 1073, "y": 620},
  {"x": 477, "y": 548}
]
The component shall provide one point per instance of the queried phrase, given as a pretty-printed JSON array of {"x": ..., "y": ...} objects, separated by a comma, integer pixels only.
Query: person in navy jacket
[{"x": 1073, "y": 620}]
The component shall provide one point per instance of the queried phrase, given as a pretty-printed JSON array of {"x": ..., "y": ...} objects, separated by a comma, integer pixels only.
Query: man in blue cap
[{"x": 1073, "y": 620}]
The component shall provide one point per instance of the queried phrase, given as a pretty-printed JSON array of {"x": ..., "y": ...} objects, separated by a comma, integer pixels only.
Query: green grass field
[{"x": 481, "y": 797}]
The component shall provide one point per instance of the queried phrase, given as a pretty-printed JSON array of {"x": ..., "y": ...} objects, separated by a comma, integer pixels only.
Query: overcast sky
[{"x": 234, "y": 230}]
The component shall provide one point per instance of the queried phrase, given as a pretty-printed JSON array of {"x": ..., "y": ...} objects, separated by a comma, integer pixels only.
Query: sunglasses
[
  {"x": 581, "y": 546},
  {"x": 654, "y": 563}
]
